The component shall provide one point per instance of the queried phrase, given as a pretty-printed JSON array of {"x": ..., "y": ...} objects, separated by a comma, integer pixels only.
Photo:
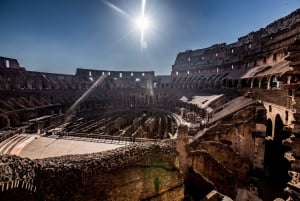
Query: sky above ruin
[{"x": 61, "y": 35}]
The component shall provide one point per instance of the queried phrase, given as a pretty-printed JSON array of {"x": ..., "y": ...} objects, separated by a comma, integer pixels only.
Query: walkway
[{"x": 36, "y": 147}]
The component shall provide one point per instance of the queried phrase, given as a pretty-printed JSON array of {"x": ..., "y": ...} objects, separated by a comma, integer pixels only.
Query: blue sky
[{"x": 61, "y": 35}]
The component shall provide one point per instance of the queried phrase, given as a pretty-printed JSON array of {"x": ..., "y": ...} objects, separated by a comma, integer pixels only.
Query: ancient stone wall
[
  {"x": 248, "y": 51},
  {"x": 205, "y": 164},
  {"x": 278, "y": 97},
  {"x": 9, "y": 63},
  {"x": 227, "y": 157},
  {"x": 240, "y": 137},
  {"x": 137, "y": 172}
]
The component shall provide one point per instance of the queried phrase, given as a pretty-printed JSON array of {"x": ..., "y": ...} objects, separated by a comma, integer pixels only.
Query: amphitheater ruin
[{"x": 224, "y": 125}]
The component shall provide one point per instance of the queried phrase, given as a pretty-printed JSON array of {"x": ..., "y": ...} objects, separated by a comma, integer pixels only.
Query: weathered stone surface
[
  {"x": 150, "y": 168},
  {"x": 203, "y": 162},
  {"x": 228, "y": 158}
]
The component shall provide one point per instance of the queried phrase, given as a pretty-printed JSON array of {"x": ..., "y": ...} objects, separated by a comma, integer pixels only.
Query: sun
[{"x": 142, "y": 23}]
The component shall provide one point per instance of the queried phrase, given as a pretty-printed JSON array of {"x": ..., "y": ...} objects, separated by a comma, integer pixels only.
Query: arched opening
[
  {"x": 194, "y": 83},
  {"x": 294, "y": 79},
  {"x": 224, "y": 82},
  {"x": 275, "y": 164},
  {"x": 185, "y": 82},
  {"x": 229, "y": 84},
  {"x": 217, "y": 84},
  {"x": 14, "y": 120},
  {"x": 264, "y": 83},
  {"x": 273, "y": 81},
  {"x": 244, "y": 83},
  {"x": 4, "y": 122},
  {"x": 208, "y": 84},
  {"x": 199, "y": 83},
  {"x": 235, "y": 84},
  {"x": 255, "y": 83},
  {"x": 202, "y": 83},
  {"x": 269, "y": 128}
]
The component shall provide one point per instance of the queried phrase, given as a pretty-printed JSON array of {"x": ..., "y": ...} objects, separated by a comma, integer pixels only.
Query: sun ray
[
  {"x": 116, "y": 8},
  {"x": 143, "y": 21}
]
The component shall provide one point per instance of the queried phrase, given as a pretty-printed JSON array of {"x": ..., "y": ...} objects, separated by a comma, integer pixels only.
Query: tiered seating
[{"x": 13, "y": 145}]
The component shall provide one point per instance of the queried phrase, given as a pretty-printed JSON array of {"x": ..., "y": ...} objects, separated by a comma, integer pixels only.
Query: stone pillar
[
  {"x": 38, "y": 131},
  {"x": 181, "y": 147},
  {"x": 181, "y": 112}
]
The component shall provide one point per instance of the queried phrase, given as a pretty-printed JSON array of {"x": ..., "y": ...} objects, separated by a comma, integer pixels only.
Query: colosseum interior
[{"x": 224, "y": 125}]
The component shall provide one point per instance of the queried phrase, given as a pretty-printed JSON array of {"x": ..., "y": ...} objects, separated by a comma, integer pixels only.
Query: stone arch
[
  {"x": 14, "y": 120},
  {"x": 208, "y": 83},
  {"x": 275, "y": 164},
  {"x": 278, "y": 129},
  {"x": 229, "y": 84},
  {"x": 195, "y": 83},
  {"x": 244, "y": 83},
  {"x": 235, "y": 84},
  {"x": 178, "y": 83},
  {"x": 186, "y": 82},
  {"x": 273, "y": 82},
  {"x": 264, "y": 83},
  {"x": 38, "y": 84},
  {"x": 203, "y": 83},
  {"x": 217, "y": 84},
  {"x": 199, "y": 83},
  {"x": 137, "y": 84},
  {"x": 269, "y": 130},
  {"x": 4, "y": 122},
  {"x": 190, "y": 84},
  {"x": 294, "y": 79},
  {"x": 224, "y": 83},
  {"x": 45, "y": 84},
  {"x": 173, "y": 82},
  {"x": 255, "y": 83},
  {"x": 213, "y": 83}
]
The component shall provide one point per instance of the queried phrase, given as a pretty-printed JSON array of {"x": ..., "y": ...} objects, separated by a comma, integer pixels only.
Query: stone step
[
  {"x": 12, "y": 143},
  {"x": 4, "y": 143}
]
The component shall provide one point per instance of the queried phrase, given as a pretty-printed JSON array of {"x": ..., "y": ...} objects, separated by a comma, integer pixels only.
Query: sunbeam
[{"x": 114, "y": 7}]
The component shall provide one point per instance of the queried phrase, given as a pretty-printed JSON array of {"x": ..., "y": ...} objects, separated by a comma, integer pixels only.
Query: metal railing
[{"x": 107, "y": 138}]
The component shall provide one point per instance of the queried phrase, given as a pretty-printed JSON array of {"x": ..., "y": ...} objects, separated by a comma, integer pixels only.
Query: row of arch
[
  {"x": 265, "y": 82},
  {"x": 216, "y": 81}
]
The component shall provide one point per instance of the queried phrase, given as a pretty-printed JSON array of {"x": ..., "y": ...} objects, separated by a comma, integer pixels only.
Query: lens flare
[{"x": 142, "y": 22}]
